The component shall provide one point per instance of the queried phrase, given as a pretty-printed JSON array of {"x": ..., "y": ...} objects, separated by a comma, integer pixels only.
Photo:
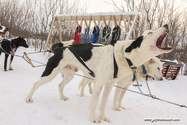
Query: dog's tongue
[
  {"x": 159, "y": 41},
  {"x": 2, "y": 34}
]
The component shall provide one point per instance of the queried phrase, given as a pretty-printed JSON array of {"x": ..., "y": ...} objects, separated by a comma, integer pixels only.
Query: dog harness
[
  {"x": 77, "y": 35},
  {"x": 115, "y": 35},
  {"x": 86, "y": 35},
  {"x": 133, "y": 69},
  {"x": 144, "y": 71},
  {"x": 73, "y": 50},
  {"x": 115, "y": 67},
  {"x": 1, "y": 39},
  {"x": 105, "y": 35},
  {"x": 94, "y": 37}
]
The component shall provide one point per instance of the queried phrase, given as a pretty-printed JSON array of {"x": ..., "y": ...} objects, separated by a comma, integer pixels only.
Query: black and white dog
[
  {"x": 101, "y": 61},
  {"x": 9, "y": 47},
  {"x": 3, "y": 31}
]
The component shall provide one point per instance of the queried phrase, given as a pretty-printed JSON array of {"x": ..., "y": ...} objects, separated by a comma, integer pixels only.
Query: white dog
[
  {"x": 153, "y": 68},
  {"x": 101, "y": 62}
]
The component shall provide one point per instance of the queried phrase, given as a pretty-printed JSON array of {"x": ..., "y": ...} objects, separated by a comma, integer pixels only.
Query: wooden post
[
  {"x": 115, "y": 21},
  {"x": 129, "y": 21},
  {"x": 90, "y": 20},
  {"x": 137, "y": 26},
  {"x": 28, "y": 59},
  {"x": 119, "y": 23},
  {"x": 48, "y": 38},
  {"x": 81, "y": 21},
  {"x": 109, "y": 20},
  {"x": 67, "y": 26},
  {"x": 86, "y": 23},
  {"x": 95, "y": 22},
  {"x": 59, "y": 32},
  {"x": 132, "y": 27},
  {"x": 51, "y": 41},
  {"x": 125, "y": 26},
  {"x": 99, "y": 21},
  {"x": 105, "y": 22}
]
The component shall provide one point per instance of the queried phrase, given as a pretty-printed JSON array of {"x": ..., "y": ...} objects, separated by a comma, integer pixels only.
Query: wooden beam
[
  {"x": 137, "y": 26},
  {"x": 86, "y": 23},
  {"x": 28, "y": 59},
  {"x": 59, "y": 32},
  {"x": 76, "y": 22},
  {"x": 115, "y": 21},
  {"x": 126, "y": 29},
  {"x": 129, "y": 21},
  {"x": 67, "y": 26},
  {"x": 95, "y": 22},
  {"x": 119, "y": 23},
  {"x": 109, "y": 20},
  {"x": 99, "y": 21},
  {"x": 81, "y": 21},
  {"x": 105, "y": 22},
  {"x": 90, "y": 20},
  {"x": 49, "y": 35},
  {"x": 78, "y": 17},
  {"x": 50, "y": 42}
]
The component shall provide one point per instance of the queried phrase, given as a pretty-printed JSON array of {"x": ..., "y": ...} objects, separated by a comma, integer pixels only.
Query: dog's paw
[
  {"x": 64, "y": 98},
  {"x": 95, "y": 120},
  {"x": 28, "y": 100},
  {"x": 10, "y": 69},
  {"x": 81, "y": 95},
  {"x": 104, "y": 118},
  {"x": 5, "y": 70},
  {"x": 123, "y": 107},
  {"x": 116, "y": 108}
]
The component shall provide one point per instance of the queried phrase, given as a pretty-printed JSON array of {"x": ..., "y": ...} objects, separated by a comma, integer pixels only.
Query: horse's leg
[
  {"x": 5, "y": 62},
  {"x": 10, "y": 65}
]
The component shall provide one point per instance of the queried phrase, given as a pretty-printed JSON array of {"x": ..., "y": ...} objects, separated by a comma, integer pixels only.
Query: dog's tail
[{"x": 67, "y": 43}]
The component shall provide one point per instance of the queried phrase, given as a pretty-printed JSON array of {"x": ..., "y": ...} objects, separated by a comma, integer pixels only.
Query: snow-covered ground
[{"x": 49, "y": 109}]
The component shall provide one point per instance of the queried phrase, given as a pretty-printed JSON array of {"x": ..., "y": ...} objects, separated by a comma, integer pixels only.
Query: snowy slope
[{"x": 48, "y": 109}]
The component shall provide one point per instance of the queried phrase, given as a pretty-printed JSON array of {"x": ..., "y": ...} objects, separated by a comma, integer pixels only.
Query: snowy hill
[{"x": 49, "y": 109}]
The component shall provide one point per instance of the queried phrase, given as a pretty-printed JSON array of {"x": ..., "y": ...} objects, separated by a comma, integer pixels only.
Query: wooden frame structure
[{"x": 130, "y": 19}]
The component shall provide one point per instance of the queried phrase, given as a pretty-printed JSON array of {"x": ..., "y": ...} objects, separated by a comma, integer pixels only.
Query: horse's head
[{"x": 21, "y": 42}]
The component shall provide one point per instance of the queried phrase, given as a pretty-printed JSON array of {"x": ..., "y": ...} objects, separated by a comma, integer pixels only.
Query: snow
[
  {"x": 99, "y": 13},
  {"x": 49, "y": 109}
]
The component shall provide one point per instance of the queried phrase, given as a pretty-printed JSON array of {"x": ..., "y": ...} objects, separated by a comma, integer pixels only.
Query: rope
[
  {"x": 152, "y": 96},
  {"x": 86, "y": 35},
  {"x": 95, "y": 36},
  {"x": 105, "y": 35},
  {"x": 115, "y": 35},
  {"x": 77, "y": 35},
  {"x": 140, "y": 93}
]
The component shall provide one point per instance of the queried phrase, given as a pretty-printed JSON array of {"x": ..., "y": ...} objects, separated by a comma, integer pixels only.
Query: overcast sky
[{"x": 96, "y": 6}]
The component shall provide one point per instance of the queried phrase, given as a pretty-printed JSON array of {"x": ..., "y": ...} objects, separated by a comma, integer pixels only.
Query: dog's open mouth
[
  {"x": 2, "y": 34},
  {"x": 159, "y": 42}
]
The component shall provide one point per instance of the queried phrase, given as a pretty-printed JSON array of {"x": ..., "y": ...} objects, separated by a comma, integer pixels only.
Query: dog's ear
[
  {"x": 134, "y": 44},
  {"x": 151, "y": 61}
]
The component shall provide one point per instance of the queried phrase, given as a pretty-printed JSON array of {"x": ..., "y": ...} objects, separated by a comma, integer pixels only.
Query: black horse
[{"x": 9, "y": 47}]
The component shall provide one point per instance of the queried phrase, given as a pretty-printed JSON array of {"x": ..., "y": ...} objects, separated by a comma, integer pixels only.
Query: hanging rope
[
  {"x": 116, "y": 33},
  {"x": 95, "y": 36},
  {"x": 105, "y": 35},
  {"x": 86, "y": 35},
  {"x": 77, "y": 35}
]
